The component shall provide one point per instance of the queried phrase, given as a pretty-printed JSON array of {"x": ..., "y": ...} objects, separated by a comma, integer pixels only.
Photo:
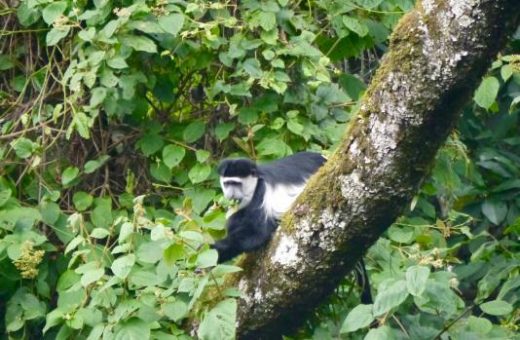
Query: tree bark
[{"x": 438, "y": 52}]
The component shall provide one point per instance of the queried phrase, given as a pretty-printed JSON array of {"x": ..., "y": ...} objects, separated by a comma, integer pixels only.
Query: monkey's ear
[{"x": 222, "y": 167}]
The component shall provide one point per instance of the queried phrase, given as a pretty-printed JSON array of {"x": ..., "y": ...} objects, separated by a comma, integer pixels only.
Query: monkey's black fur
[
  {"x": 251, "y": 227},
  {"x": 247, "y": 229}
]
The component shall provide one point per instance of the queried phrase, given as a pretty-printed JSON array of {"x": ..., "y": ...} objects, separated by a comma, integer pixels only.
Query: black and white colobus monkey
[{"x": 264, "y": 193}]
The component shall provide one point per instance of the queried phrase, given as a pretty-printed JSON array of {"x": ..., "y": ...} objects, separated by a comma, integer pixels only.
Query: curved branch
[{"x": 437, "y": 55}]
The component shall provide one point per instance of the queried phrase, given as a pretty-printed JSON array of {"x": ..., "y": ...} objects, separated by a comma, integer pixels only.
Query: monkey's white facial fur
[{"x": 241, "y": 189}]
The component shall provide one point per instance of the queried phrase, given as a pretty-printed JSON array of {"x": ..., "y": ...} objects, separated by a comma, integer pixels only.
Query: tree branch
[{"x": 437, "y": 55}]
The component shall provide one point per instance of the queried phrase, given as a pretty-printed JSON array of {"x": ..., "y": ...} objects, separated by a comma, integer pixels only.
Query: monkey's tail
[{"x": 363, "y": 282}]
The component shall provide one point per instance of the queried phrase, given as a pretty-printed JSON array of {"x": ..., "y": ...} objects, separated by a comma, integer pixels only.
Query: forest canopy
[{"x": 114, "y": 114}]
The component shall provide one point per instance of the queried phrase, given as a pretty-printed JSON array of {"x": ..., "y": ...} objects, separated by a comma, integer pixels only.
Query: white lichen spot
[
  {"x": 460, "y": 10},
  {"x": 286, "y": 252},
  {"x": 351, "y": 184},
  {"x": 354, "y": 148},
  {"x": 429, "y": 6},
  {"x": 242, "y": 286},
  {"x": 465, "y": 21},
  {"x": 258, "y": 296},
  {"x": 331, "y": 221}
]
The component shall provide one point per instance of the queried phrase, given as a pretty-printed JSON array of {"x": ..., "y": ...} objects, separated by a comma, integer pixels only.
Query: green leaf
[
  {"x": 369, "y": 4},
  {"x": 126, "y": 230},
  {"x": 495, "y": 211},
  {"x": 93, "y": 165},
  {"x": 67, "y": 279},
  {"x": 97, "y": 95},
  {"x": 50, "y": 212},
  {"x": 496, "y": 307},
  {"x": 487, "y": 92},
  {"x": 55, "y": 317},
  {"x": 4, "y": 196},
  {"x": 52, "y": 11},
  {"x": 355, "y": 26},
  {"x": 6, "y": 62},
  {"x": 150, "y": 144},
  {"x": 359, "y": 317},
  {"x": 176, "y": 311},
  {"x": 272, "y": 146},
  {"x": 99, "y": 233},
  {"x": 27, "y": 16},
  {"x": 207, "y": 258},
  {"x": 199, "y": 172},
  {"x": 222, "y": 130},
  {"x": 194, "y": 131},
  {"x": 219, "y": 323},
  {"x": 101, "y": 216},
  {"x": 222, "y": 269},
  {"x": 69, "y": 175},
  {"x": 161, "y": 172},
  {"x": 96, "y": 332},
  {"x": 506, "y": 72},
  {"x": 352, "y": 85},
  {"x": 173, "y": 253},
  {"x": 173, "y": 155},
  {"x": 117, "y": 63},
  {"x": 267, "y": 20},
  {"x": 383, "y": 332},
  {"x": 172, "y": 23},
  {"x": 479, "y": 325},
  {"x": 416, "y": 278},
  {"x": 149, "y": 252},
  {"x": 91, "y": 276},
  {"x": 401, "y": 234},
  {"x": 133, "y": 329},
  {"x": 253, "y": 68},
  {"x": 122, "y": 266},
  {"x": 82, "y": 200},
  {"x": 139, "y": 43},
  {"x": 247, "y": 116},
  {"x": 391, "y": 297},
  {"x": 56, "y": 34},
  {"x": 295, "y": 127},
  {"x": 202, "y": 155},
  {"x": 23, "y": 147}
]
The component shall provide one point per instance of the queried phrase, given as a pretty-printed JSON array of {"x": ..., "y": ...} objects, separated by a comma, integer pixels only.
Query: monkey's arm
[{"x": 243, "y": 238}]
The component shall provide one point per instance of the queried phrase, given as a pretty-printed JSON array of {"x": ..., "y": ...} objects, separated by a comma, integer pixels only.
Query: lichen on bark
[{"x": 437, "y": 54}]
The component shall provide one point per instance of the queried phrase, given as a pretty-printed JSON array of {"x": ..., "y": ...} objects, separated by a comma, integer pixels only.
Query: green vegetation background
[{"x": 113, "y": 115}]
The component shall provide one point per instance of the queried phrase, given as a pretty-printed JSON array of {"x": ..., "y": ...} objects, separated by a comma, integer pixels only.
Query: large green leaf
[
  {"x": 69, "y": 175},
  {"x": 122, "y": 266},
  {"x": 391, "y": 297},
  {"x": 173, "y": 155},
  {"x": 199, "y": 173},
  {"x": 416, "y": 278},
  {"x": 487, "y": 92},
  {"x": 53, "y": 10},
  {"x": 359, "y": 317},
  {"x": 139, "y": 43},
  {"x": 194, "y": 131},
  {"x": 172, "y": 23},
  {"x": 219, "y": 323},
  {"x": 132, "y": 329},
  {"x": 495, "y": 211},
  {"x": 496, "y": 307}
]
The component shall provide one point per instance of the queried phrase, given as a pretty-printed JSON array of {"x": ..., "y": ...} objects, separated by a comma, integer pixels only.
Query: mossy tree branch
[{"x": 438, "y": 53}]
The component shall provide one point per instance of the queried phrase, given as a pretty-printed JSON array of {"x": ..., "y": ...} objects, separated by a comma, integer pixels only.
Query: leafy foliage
[{"x": 115, "y": 112}]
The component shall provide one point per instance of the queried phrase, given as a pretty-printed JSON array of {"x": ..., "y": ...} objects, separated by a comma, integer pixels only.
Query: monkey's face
[
  {"x": 238, "y": 179},
  {"x": 241, "y": 189}
]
